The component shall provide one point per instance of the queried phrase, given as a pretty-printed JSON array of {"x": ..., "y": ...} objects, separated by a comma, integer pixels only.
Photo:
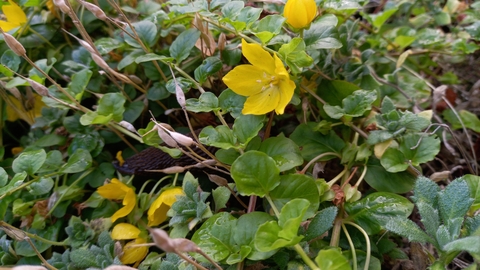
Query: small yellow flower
[
  {"x": 123, "y": 231},
  {"x": 300, "y": 13},
  {"x": 131, "y": 253},
  {"x": 16, "y": 110},
  {"x": 265, "y": 82},
  {"x": 116, "y": 190},
  {"x": 15, "y": 16},
  {"x": 157, "y": 213}
]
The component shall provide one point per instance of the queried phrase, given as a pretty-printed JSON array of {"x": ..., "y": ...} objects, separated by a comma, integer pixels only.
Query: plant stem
[
  {"x": 367, "y": 239},
  {"x": 352, "y": 247},
  {"x": 305, "y": 257}
]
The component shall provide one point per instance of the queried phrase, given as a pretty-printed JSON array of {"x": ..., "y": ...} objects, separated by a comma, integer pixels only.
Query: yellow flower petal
[
  {"x": 15, "y": 16},
  {"x": 245, "y": 80},
  {"x": 263, "y": 102},
  {"x": 258, "y": 57},
  {"x": 129, "y": 203},
  {"x": 300, "y": 13},
  {"x": 124, "y": 231},
  {"x": 157, "y": 213},
  {"x": 115, "y": 190},
  {"x": 286, "y": 88},
  {"x": 132, "y": 254}
]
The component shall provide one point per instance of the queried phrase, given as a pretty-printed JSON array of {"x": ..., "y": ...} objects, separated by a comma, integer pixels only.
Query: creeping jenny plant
[{"x": 308, "y": 127}]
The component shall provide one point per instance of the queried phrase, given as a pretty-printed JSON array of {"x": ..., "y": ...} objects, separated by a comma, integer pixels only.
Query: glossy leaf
[
  {"x": 246, "y": 127},
  {"x": 374, "y": 211},
  {"x": 210, "y": 66},
  {"x": 382, "y": 180},
  {"x": 147, "y": 32},
  {"x": 29, "y": 161},
  {"x": 79, "y": 161},
  {"x": 284, "y": 151},
  {"x": 220, "y": 136},
  {"x": 354, "y": 105},
  {"x": 296, "y": 186},
  {"x": 424, "y": 148},
  {"x": 313, "y": 143},
  {"x": 231, "y": 102},
  {"x": 332, "y": 259},
  {"x": 255, "y": 173},
  {"x": 183, "y": 44},
  {"x": 207, "y": 102}
]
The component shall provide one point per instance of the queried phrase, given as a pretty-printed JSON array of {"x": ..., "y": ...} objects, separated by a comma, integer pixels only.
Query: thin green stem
[
  {"x": 352, "y": 247},
  {"x": 334, "y": 180},
  {"x": 367, "y": 239},
  {"x": 66, "y": 190},
  {"x": 362, "y": 176},
  {"x": 317, "y": 158},
  {"x": 305, "y": 257},
  {"x": 274, "y": 208}
]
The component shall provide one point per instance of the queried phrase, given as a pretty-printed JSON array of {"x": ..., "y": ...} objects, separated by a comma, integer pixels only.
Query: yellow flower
[
  {"x": 300, "y": 13},
  {"x": 116, "y": 190},
  {"x": 16, "y": 110},
  {"x": 131, "y": 253},
  {"x": 15, "y": 16},
  {"x": 157, "y": 213},
  {"x": 265, "y": 82}
]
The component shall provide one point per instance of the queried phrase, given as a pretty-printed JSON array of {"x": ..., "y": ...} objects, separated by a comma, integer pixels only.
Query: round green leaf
[
  {"x": 79, "y": 161},
  {"x": 209, "y": 66},
  {"x": 284, "y": 151},
  {"x": 394, "y": 161},
  {"x": 42, "y": 186},
  {"x": 381, "y": 180},
  {"x": 3, "y": 177},
  {"x": 296, "y": 186},
  {"x": 29, "y": 161},
  {"x": 247, "y": 126},
  {"x": 332, "y": 259},
  {"x": 146, "y": 30},
  {"x": 255, "y": 173},
  {"x": 207, "y": 102},
  {"x": 183, "y": 44}
]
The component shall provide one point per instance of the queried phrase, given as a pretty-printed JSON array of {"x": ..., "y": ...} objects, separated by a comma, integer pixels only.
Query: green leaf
[
  {"x": 53, "y": 162},
  {"x": 207, "y": 102},
  {"x": 473, "y": 182},
  {"x": 220, "y": 136},
  {"x": 183, "y": 44},
  {"x": 221, "y": 195},
  {"x": 255, "y": 173},
  {"x": 313, "y": 143},
  {"x": 232, "y": 9},
  {"x": 79, "y": 161},
  {"x": 79, "y": 82},
  {"x": 426, "y": 191},
  {"x": 29, "y": 161},
  {"x": 430, "y": 217},
  {"x": 129, "y": 58},
  {"x": 322, "y": 34},
  {"x": 151, "y": 57},
  {"x": 407, "y": 228},
  {"x": 23, "y": 248},
  {"x": 106, "y": 45},
  {"x": 270, "y": 23},
  {"x": 83, "y": 258},
  {"x": 147, "y": 32},
  {"x": 375, "y": 210},
  {"x": 10, "y": 60},
  {"x": 381, "y": 180},
  {"x": 321, "y": 223},
  {"x": 380, "y": 18},
  {"x": 471, "y": 244},
  {"x": 3, "y": 177},
  {"x": 246, "y": 127},
  {"x": 50, "y": 140},
  {"x": 249, "y": 15},
  {"x": 426, "y": 150},
  {"x": 332, "y": 259},
  {"x": 16, "y": 181},
  {"x": 296, "y": 186},
  {"x": 294, "y": 55},
  {"x": 42, "y": 186},
  {"x": 231, "y": 102},
  {"x": 393, "y": 160},
  {"x": 158, "y": 91},
  {"x": 474, "y": 30},
  {"x": 354, "y": 105},
  {"x": 112, "y": 104},
  {"x": 209, "y": 66},
  {"x": 469, "y": 119},
  {"x": 454, "y": 201},
  {"x": 272, "y": 235},
  {"x": 247, "y": 226},
  {"x": 216, "y": 237},
  {"x": 284, "y": 151}
]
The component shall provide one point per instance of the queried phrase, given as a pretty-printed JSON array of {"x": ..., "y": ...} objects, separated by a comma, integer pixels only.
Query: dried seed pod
[
  {"x": 180, "y": 95},
  {"x": 28, "y": 267},
  {"x": 218, "y": 180},
  {"x": 39, "y": 88},
  {"x": 135, "y": 79},
  {"x": 100, "y": 62},
  {"x": 62, "y": 6},
  {"x": 128, "y": 126},
  {"x": 172, "y": 170},
  {"x": 14, "y": 45},
  {"x": 184, "y": 245},
  {"x": 87, "y": 46},
  {"x": 162, "y": 240},
  {"x": 222, "y": 41},
  {"x": 97, "y": 12},
  {"x": 182, "y": 139},
  {"x": 166, "y": 137}
]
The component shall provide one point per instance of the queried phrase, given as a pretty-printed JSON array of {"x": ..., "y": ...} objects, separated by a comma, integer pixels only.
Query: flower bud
[
  {"x": 97, "y": 12},
  {"x": 14, "y": 45},
  {"x": 300, "y": 13}
]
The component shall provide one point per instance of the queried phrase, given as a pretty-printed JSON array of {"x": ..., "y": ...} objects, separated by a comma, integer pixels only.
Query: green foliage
[{"x": 357, "y": 114}]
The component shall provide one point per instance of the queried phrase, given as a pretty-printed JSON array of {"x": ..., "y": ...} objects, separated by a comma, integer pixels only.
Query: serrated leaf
[{"x": 407, "y": 228}]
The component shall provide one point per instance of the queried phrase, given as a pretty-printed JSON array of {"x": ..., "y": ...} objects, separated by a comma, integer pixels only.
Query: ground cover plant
[{"x": 326, "y": 134}]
